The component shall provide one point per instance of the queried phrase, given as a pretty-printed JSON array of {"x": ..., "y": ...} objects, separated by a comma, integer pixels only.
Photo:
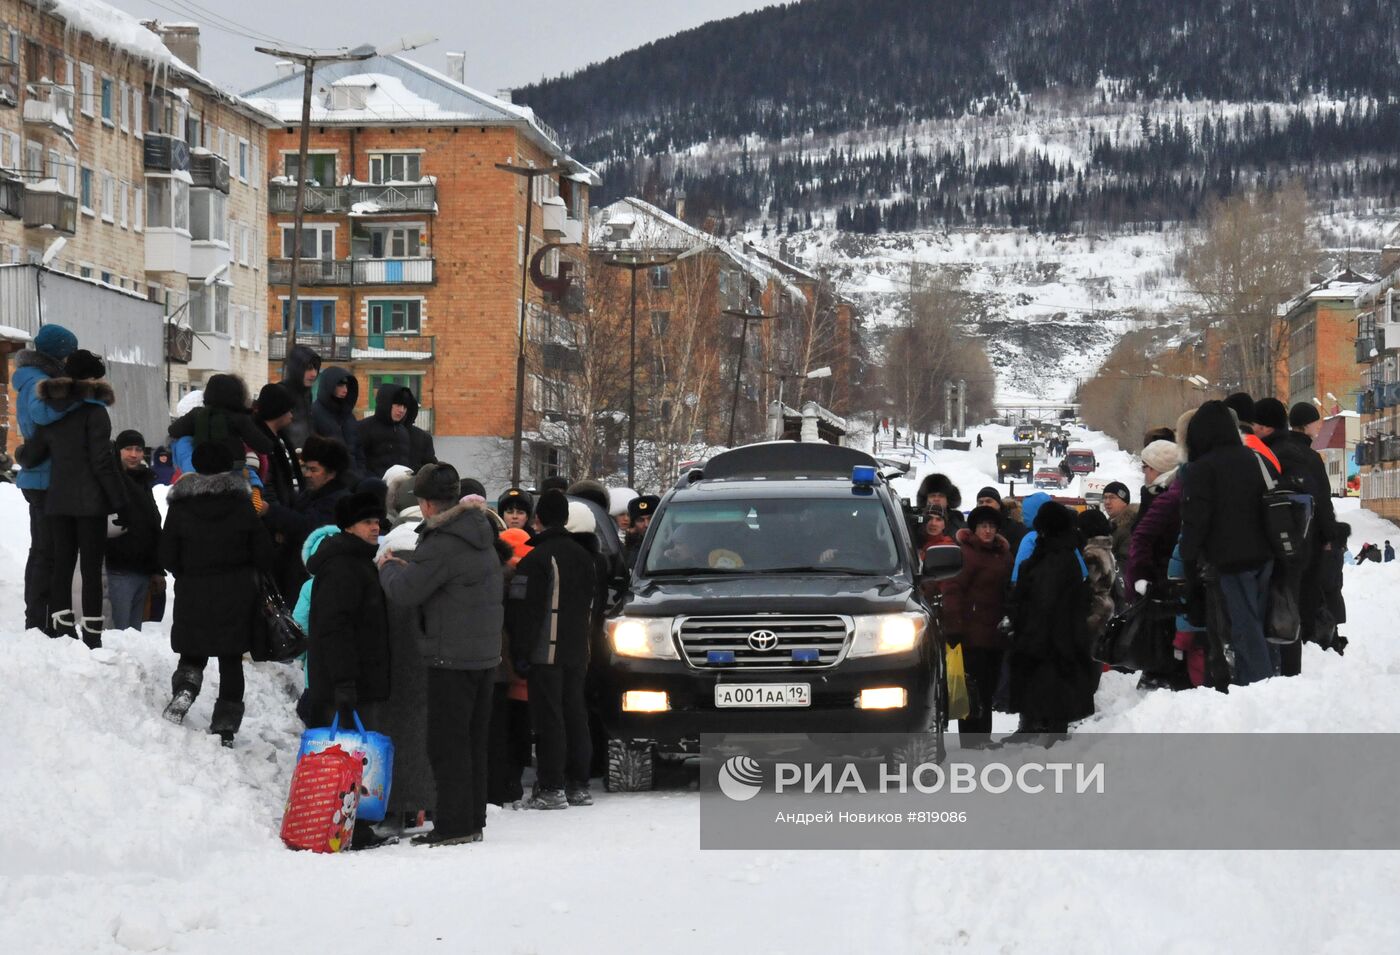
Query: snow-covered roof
[
  {"x": 653, "y": 228},
  {"x": 1343, "y": 285},
  {"x": 404, "y": 91}
]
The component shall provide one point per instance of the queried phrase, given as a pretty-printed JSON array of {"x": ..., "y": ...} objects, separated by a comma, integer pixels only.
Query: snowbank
[{"x": 129, "y": 834}]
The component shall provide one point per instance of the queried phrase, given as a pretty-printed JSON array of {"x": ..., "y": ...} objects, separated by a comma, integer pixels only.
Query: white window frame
[
  {"x": 243, "y": 158},
  {"x": 138, "y": 109},
  {"x": 107, "y": 83},
  {"x": 245, "y": 242},
  {"x": 384, "y": 300},
  {"x": 318, "y": 227},
  {"x": 138, "y": 209},
  {"x": 85, "y": 94},
  {"x": 125, "y": 108},
  {"x": 124, "y": 197},
  {"x": 109, "y": 196}
]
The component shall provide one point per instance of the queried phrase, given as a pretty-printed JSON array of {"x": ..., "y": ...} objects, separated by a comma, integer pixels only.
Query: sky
[{"x": 508, "y": 42}]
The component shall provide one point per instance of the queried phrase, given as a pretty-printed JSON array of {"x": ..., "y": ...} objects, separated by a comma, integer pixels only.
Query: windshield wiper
[
  {"x": 692, "y": 572},
  {"x": 824, "y": 569}
]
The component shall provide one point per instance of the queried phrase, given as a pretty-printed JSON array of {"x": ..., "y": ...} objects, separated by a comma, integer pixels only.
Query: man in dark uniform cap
[{"x": 639, "y": 512}]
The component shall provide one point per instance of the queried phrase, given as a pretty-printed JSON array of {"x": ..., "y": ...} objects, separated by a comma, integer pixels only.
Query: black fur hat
[
  {"x": 984, "y": 514},
  {"x": 226, "y": 392},
  {"x": 939, "y": 484},
  {"x": 1054, "y": 520},
  {"x": 327, "y": 452},
  {"x": 83, "y": 364},
  {"x": 360, "y": 506}
]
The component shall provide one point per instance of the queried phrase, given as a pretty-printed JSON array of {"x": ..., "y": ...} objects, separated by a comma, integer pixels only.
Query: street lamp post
[
  {"x": 745, "y": 318},
  {"x": 309, "y": 60},
  {"x": 529, "y": 174},
  {"x": 634, "y": 262}
]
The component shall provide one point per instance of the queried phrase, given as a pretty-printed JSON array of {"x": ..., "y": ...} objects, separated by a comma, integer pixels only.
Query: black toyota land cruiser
[{"x": 777, "y": 590}]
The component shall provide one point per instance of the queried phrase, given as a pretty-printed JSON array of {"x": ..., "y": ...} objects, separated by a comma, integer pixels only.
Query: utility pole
[
  {"x": 744, "y": 317},
  {"x": 634, "y": 262},
  {"x": 962, "y": 407},
  {"x": 529, "y": 174},
  {"x": 309, "y": 60}
]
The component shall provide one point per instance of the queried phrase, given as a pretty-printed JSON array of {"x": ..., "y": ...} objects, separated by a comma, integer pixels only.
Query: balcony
[
  {"x": 49, "y": 209},
  {"x": 558, "y": 225},
  {"x": 9, "y": 83},
  {"x": 357, "y": 199},
  {"x": 357, "y": 347},
  {"x": 209, "y": 172},
  {"x": 11, "y": 197},
  {"x": 166, "y": 154},
  {"x": 558, "y": 357},
  {"x": 1364, "y": 348},
  {"x": 332, "y": 272},
  {"x": 49, "y": 106},
  {"x": 329, "y": 347}
]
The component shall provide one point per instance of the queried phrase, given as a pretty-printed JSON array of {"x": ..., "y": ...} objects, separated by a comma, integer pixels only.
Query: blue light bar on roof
[{"x": 863, "y": 475}]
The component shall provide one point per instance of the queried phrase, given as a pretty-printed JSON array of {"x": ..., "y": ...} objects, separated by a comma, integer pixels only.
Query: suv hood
[{"x": 750, "y": 593}]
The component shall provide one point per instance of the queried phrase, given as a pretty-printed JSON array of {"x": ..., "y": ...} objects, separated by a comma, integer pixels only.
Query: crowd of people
[
  {"x": 461, "y": 628},
  {"x": 1231, "y": 556}
]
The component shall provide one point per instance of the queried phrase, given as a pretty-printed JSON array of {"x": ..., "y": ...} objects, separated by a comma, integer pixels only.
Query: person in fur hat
[
  {"x": 1105, "y": 591},
  {"x": 85, "y": 485},
  {"x": 1052, "y": 677},
  {"x": 973, "y": 604},
  {"x": 325, "y": 466},
  {"x": 225, "y": 417},
  {"x": 215, "y": 546}
]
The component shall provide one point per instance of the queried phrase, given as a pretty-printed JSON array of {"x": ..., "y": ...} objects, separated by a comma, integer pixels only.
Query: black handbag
[
  {"x": 277, "y": 636},
  {"x": 1137, "y": 639}
]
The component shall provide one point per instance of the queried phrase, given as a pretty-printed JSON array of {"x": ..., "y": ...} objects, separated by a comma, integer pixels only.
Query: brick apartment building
[
  {"x": 688, "y": 347},
  {"x": 1319, "y": 359},
  {"x": 412, "y": 248},
  {"x": 1377, "y": 356},
  {"x": 112, "y": 141}
]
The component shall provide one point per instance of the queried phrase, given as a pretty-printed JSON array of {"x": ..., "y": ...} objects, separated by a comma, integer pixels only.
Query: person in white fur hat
[{"x": 618, "y": 500}]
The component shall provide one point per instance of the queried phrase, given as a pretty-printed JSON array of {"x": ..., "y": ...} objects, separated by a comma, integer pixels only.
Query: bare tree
[{"x": 1256, "y": 252}]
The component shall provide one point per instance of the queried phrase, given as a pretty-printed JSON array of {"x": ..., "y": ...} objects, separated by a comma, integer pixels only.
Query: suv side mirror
[{"x": 942, "y": 562}]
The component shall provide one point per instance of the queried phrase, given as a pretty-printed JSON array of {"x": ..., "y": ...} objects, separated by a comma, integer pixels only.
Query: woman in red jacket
[{"x": 973, "y": 605}]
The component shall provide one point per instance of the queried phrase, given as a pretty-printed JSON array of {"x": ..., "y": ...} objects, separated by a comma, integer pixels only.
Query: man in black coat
[
  {"x": 333, "y": 414},
  {"x": 551, "y": 606},
  {"x": 273, "y": 414},
  {"x": 384, "y": 435},
  {"x": 325, "y": 467},
  {"x": 303, "y": 368},
  {"x": 1013, "y": 530},
  {"x": 132, "y": 557},
  {"x": 1301, "y": 467}
]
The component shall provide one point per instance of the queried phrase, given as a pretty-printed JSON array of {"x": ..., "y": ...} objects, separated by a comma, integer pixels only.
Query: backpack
[{"x": 1287, "y": 516}]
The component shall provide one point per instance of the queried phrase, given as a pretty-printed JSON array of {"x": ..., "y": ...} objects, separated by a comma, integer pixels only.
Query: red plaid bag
[{"x": 324, "y": 798}]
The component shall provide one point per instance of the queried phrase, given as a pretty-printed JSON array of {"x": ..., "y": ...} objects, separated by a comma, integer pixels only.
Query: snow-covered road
[{"x": 129, "y": 834}]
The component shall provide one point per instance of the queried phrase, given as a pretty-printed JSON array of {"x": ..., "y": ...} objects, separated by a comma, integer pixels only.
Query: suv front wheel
[{"x": 631, "y": 766}]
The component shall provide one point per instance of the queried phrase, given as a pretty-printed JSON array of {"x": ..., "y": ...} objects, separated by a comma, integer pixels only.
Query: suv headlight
[
  {"x": 879, "y": 633},
  {"x": 648, "y": 637}
]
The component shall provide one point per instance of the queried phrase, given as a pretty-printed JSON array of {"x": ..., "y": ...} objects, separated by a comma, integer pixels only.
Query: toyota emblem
[{"x": 763, "y": 640}]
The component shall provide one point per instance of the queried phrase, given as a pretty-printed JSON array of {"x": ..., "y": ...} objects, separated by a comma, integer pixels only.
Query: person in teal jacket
[
  {"x": 1030, "y": 508},
  {"x": 52, "y": 345}
]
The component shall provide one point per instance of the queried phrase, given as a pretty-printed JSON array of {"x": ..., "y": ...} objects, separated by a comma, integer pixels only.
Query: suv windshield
[{"x": 774, "y": 535}]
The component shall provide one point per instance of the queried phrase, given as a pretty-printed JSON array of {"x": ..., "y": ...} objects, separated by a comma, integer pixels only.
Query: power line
[{"x": 212, "y": 21}]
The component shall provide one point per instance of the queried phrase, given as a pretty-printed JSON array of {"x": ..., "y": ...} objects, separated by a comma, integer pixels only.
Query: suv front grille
[{"x": 798, "y": 642}]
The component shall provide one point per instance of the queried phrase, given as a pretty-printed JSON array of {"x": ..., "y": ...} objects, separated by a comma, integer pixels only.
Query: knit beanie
[
  {"x": 55, "y": 341},
  {"x": 1242, "y": 405},
  {"x": 212, "y": 457},
  {"x": 552, "y": 509},
  {"x": 1161, "y": 455},
  {"x": 989, "y": 491},
  {"x": 1303, "y": 414},
  {"x": 129, "y": 438},
  {"x": 437, "y": 482},
  {"x": 471, "y": 486},
  {"x": 273, "y": 402},
  {"x": 1271, "y": 413},
  {"x": 1120, "y": 490}
]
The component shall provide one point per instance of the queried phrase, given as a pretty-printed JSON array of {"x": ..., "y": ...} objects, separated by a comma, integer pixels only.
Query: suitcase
[
  {"x": 324, "y": 798},
  {"x": 375, "y": 749}
]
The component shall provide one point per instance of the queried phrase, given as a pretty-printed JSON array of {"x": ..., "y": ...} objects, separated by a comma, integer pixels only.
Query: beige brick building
[
  {"x": 412, "y": 247},
  {"x": 152, "y": 176}
]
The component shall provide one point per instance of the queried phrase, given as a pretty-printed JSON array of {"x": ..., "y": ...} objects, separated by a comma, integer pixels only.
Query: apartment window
[
  {"x": 245, "y": 241},
  {"x": 33, "y": 161},
  {"x": 124, "y": 196},
  {"x": 394, "y": 167},
  {"x": 85, "y": 271},
  {"x": 61, "y": 170},
  {"x": 320, "y": 167},
  {"x": 243, "y": 159},
  {"x": 395, "y": 242},
  {"x": 395, "y": 317},
  {"x": 317, "y": 242},
  {"x": 85, "y": 189},
  {"x": 209, "y": 307},
  {"x": 167, "y": 203},
  {"x": 125, "y": 108},
  {"x": 137, "y": 207},
  {"x": 660, "y": 276},
  {"x": 314, "y": 316},
  {"x": 108, "y": 101},
  {"x": 413, "y": 383},
  {"x": 257, "y": 162},
  {"x": 9, "y": 149},
  {"x": 109, "y": 208},
  {"x": 208, "y": 215},
  {"x": 106, "y": 278},
  {"x": 137, "y": 113},
  {"x": 86, "y": 97}
]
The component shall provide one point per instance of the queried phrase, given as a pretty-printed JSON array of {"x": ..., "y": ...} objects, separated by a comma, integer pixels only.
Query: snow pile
[{"x": 129, "y": 834}]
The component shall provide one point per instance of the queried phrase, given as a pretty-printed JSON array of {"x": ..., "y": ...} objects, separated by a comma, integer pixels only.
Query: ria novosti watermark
[{"x": 1088, "y": 791}]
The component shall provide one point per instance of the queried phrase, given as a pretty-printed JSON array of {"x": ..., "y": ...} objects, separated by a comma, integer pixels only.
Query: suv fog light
[
  {"x": 883, "y": 698},
  {"x": 648, "y": 701}
]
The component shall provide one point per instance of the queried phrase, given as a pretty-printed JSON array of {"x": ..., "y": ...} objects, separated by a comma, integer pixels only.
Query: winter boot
[
  {"x": 431, "y": 839},
  {"x": 92, "y": 632},
  {"x": 63, "y": 624},
  {"x": 184, "y": 685},
  {"x": 366, "y": 838},
  {"x": 548, "y": 799},
  {"x": 228, "y": 716},
  {"x": 578, "y": 795}
]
